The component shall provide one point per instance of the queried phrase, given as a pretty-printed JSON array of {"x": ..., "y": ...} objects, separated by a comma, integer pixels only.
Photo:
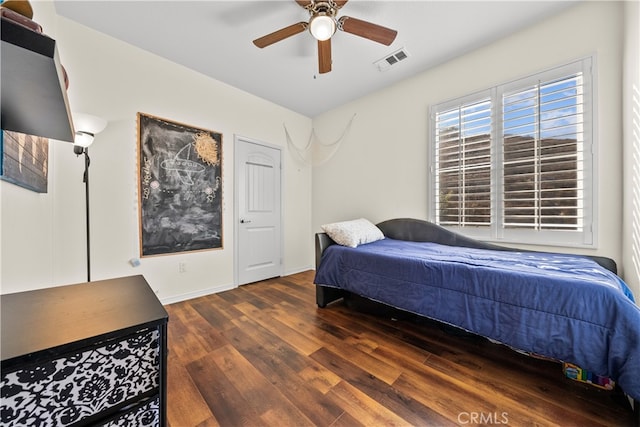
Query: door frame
[{"x": 237, "y": 140}]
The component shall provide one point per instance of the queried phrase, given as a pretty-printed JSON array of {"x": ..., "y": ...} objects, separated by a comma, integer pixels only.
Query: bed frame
[{"x": 416, "y": 230}]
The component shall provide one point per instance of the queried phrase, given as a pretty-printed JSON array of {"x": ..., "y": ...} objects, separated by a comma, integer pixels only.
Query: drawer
[
  {"x": 71, "y": 387},
  {"x": 146, "y": 414}
]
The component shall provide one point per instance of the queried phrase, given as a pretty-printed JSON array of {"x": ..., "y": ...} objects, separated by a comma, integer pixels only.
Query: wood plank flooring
[{"x": 265, "y": 355}]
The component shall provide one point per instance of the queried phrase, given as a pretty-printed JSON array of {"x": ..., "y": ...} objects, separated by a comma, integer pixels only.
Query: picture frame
[
  {"x": 179, "y": 187},
  {"x": 24, "y": 160}
]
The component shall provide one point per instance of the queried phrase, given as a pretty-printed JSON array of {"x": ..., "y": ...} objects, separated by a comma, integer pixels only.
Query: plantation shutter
[
  {"x": 463, "y": 164},
  {"x": 543, "y": 152},
  {"x": 515, "y": 162}
]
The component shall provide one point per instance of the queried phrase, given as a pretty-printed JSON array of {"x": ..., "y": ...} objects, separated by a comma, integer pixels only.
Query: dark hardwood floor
[{"x": 264, "y": 354}]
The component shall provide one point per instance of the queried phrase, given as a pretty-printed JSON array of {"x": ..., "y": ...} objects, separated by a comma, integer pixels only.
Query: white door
[{"x": 258, "y": 211}]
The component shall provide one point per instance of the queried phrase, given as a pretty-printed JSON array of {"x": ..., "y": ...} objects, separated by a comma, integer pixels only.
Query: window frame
[{"x": 495, "y": 232}]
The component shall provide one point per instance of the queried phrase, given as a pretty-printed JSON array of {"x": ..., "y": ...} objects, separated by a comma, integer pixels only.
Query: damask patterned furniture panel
[{"x": 86, "y": 354}]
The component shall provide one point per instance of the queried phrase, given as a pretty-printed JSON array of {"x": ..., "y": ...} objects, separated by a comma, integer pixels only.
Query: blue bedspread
[{"x": 562, "y": 306}]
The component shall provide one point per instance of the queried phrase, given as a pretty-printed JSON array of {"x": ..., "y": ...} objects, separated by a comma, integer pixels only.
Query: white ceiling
[{"x": 215, "y": 39}]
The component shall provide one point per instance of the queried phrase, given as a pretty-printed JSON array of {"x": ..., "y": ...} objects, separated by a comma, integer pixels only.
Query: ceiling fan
[{"x": 323, "y": 24}]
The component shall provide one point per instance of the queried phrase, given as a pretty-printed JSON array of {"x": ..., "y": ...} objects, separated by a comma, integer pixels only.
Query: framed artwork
[
  {"x": 24, "y": 160},
  {"x": 179, "y": 187}
]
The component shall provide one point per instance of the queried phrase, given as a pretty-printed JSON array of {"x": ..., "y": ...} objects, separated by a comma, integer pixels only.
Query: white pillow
[{"x": 353, "y": 233}]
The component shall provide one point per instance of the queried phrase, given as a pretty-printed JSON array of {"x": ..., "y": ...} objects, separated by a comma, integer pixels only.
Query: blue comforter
[{"x": 562, "y": 306}]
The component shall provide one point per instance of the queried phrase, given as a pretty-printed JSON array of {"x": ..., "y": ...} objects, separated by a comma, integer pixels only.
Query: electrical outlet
[{"x": 182, "y": 267}]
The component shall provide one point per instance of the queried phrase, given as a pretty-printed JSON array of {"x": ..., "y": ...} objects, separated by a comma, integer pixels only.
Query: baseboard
[
  {"x": 221, "y": 288},
  {"x": 298, "y": 270},
  {"x": 196, "y": 294}
]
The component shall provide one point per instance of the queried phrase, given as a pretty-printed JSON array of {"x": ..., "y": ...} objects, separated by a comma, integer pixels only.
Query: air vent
[{"x": 395, "y": 58}]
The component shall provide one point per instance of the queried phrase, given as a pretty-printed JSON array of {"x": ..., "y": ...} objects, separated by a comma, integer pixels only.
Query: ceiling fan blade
[
  {"x": 281, "y": 34},
  {"x": 365, "y": 29},
  {"x": 304, "y": 3},
  {"x": 324, "y": 56},
  {"x": 340, "y": 3}
]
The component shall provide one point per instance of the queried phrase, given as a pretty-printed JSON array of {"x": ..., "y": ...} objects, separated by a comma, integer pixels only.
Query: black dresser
[{"x": 86, "y": 354}]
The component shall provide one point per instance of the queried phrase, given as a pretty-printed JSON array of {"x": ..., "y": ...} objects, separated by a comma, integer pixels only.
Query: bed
[{"x": 567, "y": 307}]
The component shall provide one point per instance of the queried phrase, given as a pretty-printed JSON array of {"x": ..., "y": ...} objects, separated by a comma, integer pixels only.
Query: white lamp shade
[
  {"x": 83, "y": 139},
  {"x": 86, "y": 126},
  {"x": 322, "y": 26}
]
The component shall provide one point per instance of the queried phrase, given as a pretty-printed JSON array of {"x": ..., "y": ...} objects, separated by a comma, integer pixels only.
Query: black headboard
[{"x": 418, "y": 230}]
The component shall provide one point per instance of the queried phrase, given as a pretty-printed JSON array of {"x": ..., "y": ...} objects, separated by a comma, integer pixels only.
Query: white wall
[
  {"x": 380, "y": 171},
  {"x": 631, "y": 149},
  {"x": 43, "y": 237}
]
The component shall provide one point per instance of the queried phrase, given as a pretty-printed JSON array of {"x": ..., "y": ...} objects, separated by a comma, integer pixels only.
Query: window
[{"x": 514, "y": 163}]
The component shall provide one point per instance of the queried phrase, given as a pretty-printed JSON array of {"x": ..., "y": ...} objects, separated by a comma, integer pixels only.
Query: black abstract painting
[{"x": 180, "y": 187}]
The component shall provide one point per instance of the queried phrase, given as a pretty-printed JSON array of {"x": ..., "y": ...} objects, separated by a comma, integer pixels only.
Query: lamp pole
[
  {"x": 86, "y": 192},
  {"x": 85, "y": 151},
  {"x": 87, "y": 126}
]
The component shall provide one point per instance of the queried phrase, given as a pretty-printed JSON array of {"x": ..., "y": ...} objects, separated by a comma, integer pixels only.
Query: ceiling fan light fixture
[{"x": 322, "y": 26}]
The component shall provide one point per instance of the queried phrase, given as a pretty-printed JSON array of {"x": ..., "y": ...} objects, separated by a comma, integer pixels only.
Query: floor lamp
[{"x": 87, "y": 127}]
